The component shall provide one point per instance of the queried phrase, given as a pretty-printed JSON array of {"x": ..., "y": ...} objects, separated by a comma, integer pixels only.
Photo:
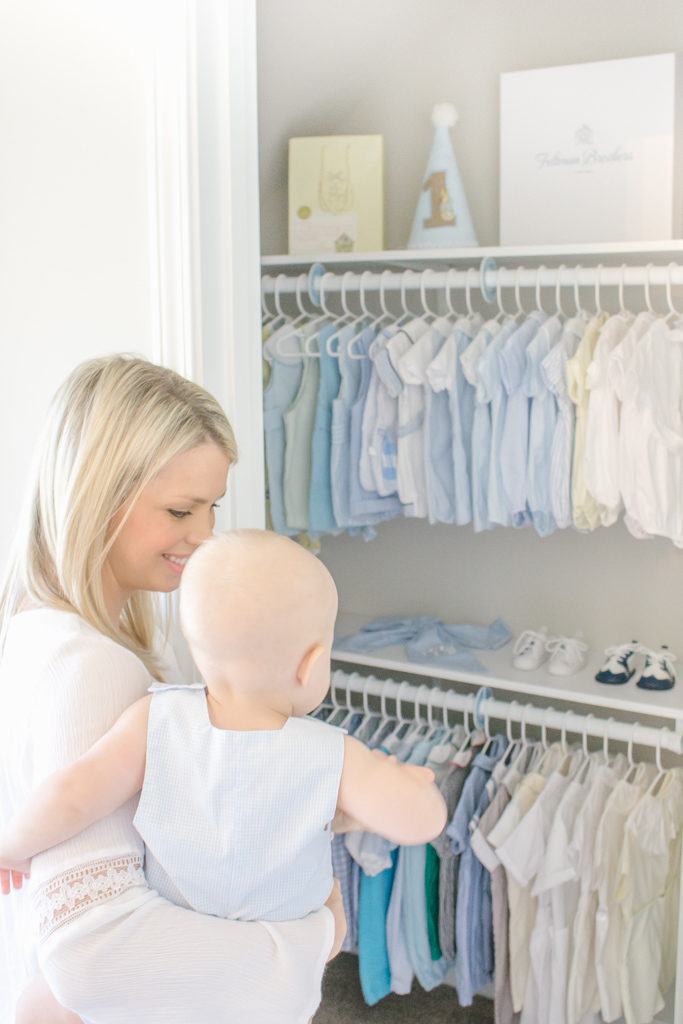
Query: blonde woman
[{"x": 132, "y": 462}]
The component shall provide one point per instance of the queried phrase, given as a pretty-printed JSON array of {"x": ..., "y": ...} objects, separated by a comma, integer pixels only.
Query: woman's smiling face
[{"x": 173, "y": 515}]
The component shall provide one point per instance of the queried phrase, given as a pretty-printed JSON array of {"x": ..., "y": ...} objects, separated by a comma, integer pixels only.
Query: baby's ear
[{"x": 303, "y": 672}]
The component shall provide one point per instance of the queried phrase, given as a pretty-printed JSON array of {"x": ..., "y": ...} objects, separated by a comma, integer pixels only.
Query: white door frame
[{"x": 203, "y": 137}]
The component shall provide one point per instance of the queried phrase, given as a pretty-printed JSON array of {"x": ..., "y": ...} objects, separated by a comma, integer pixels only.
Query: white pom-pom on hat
[{"x": 444, "y": 113}]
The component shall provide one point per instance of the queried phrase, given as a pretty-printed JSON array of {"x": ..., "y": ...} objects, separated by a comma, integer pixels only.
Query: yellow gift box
[{"x": 336, "y": 194}]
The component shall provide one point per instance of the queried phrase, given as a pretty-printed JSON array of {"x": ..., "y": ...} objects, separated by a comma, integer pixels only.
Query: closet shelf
[
  {"x": 580, "y": 688},
  {"x": 474, "y": 254}
]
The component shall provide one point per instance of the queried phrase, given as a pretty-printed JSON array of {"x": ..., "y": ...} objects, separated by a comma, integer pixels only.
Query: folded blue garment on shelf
[{"x": 428, "y": 639}]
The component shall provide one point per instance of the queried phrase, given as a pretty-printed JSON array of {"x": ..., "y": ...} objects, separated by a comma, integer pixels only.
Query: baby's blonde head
[{"x": 255, "y": 597}]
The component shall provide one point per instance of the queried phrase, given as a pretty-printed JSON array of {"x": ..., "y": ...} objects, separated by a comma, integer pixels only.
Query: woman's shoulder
[{"x": 66, "y": 641}]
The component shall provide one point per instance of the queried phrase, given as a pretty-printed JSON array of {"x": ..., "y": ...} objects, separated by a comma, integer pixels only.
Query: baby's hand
[{"x": 13, "y": 876}]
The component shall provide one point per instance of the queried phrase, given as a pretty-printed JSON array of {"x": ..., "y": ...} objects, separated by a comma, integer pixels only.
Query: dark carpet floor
[{"x": 343, "y": 1002}]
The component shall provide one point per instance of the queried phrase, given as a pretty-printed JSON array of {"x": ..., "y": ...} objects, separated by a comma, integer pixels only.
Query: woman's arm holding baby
[
  {"x": 383, "y": 795},
  {"x": 65, "y": 803}
]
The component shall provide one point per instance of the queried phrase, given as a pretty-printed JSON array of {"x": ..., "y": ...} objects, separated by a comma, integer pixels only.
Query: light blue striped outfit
[
  {"x": 542, "y": 423},
  {"x": 490, "y": 389},
  {"x": 481, "y": 426},
  {"x": 320, "y": 510},
  {"x": 445, "y": 373},
  {"x": 515, "y": 439},
  {"x": 236, "y": 823},
  {"x": 340, "y": 433}
]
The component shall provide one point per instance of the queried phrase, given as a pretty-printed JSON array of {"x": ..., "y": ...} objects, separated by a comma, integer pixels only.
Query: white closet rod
[
  {"x": 487, "y": 277},
  {"x": 482, "y": 707}
]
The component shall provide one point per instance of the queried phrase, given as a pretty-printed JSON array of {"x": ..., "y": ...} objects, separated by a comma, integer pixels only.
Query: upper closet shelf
[
  {"x": 471, "y": 255},
  {"x": 580, "y": 688}
]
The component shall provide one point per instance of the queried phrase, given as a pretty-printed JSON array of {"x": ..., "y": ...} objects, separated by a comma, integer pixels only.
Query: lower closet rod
[{"x": 482, "y": 706}]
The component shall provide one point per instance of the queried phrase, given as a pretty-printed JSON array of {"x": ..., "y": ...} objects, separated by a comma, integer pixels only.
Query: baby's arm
[
  {"x": 66, "y": 802},
  {"x": 383, "y": 795}
]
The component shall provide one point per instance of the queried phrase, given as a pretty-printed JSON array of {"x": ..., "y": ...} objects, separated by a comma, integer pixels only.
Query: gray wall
[{"x": 378, "y": 66}]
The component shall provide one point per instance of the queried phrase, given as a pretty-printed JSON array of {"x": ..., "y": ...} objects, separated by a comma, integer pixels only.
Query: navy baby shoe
[
  {"x": 619, "y": 665},
  {"x": 658, "y": 672}
]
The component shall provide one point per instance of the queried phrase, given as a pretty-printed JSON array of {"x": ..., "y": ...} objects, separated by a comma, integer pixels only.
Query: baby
[{"x": 238, "y": 788}]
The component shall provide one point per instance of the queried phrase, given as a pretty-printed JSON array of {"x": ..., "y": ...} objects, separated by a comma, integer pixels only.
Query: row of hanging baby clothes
[
  {"x": 591, "y": 854},
  {"x": 556, "y": 878},
  {"x": 529, "y": 420}
]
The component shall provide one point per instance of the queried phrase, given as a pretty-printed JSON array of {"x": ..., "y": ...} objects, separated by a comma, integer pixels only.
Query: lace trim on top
[{"x": 71, "y": 893}]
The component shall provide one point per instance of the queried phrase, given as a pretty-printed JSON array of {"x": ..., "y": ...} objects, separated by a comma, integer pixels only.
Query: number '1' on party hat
[{"x": 442, "y": 218}]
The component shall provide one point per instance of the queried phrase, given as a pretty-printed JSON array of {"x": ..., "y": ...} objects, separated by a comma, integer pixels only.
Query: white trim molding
[{"x": 205, "y": 250}]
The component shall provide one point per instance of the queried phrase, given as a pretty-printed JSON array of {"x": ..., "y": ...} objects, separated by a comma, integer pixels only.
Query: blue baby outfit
[
  {"x": 321, "y": 512},
  {"x": 490, "y": 389},
  {"x": 515, "y": 439},
  {"x": 365, "y": 506},
  {"x": 474, "y": 961},
  {"x": 286, "y": 370},
  {"x": 542, "y": 423},
  {"x": 217, "y": 839},
  {"x": 428, "y": 639}
]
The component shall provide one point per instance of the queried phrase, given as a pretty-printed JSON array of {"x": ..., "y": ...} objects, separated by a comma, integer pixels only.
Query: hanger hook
[
  {"x": 276, "y": 294},
  {"x": 558, "y": 287},
  {"x": 538, "y": 288},
  {"x": 404, "y": 285},
  {"x": 301, "y": 283},
  {"x": 606, "y": 737},
  {"x": 622, "y": 275},
  {"x": 672, "y": 308},
  {"x": 499, "y": 289},
  {"x": 646, "y": 288},
  {"x": 658, "y": 749},
  {"x": 264, "y": 307},
  {"x": 468, "y": 298},
  {"x": 629, "y": 749},
  {"x": 361, "y": 293},
  {"x": 366, "y": 706},
  {"x": 447, "y": 292},
  {"x": 321, "y": 287},
  {"x": 344, "y": 286},
  {"x": 508, "y": 722},
  {"x": 423, "y": 291},
  {"x": 585, "y": 734},
  {"x": 518, "y": 290},
  {"x": 399, "y": 709},
  {"x": 577, "y": 300},
  {"x": 598, "y": 307}
]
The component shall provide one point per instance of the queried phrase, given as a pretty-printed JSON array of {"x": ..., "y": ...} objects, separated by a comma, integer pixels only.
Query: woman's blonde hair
[{"x": 112, "y": 426}]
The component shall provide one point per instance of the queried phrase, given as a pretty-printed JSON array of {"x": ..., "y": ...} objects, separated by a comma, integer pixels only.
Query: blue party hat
[{"x": 442, "y": 218}]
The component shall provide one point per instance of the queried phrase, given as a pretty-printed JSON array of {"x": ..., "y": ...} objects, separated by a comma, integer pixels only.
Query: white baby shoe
[
  {"x": 567, "y": 655},
  {"x": 531, "y": 648}
]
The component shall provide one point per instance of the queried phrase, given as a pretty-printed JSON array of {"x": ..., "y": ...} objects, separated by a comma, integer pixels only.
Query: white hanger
[
  {"x": 539, "y": 305},
  {"x": 423, "y": 294},
  {"x": 268, "y": 318},
  {"x": 673, "y": 312},
  {"x": 447, "y": 294},
  {"x": 646, "y": 289},
  {"x": 598, "y": 307},
  {"x": 349, "y": 318},
  {"x": 558, "y": 287}
]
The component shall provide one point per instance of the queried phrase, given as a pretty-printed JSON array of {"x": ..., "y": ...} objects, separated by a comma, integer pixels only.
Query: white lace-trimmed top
[{"x": 62, "y": 685}]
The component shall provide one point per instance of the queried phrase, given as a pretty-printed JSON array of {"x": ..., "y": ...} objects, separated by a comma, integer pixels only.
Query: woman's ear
[{"x": 303, "y": 672}]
